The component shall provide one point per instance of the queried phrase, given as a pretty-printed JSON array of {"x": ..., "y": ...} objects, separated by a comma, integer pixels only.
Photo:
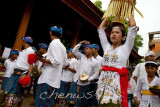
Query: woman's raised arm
[
  {"x": 132, "y": 22},
  {"x": 103, "y": 24}
]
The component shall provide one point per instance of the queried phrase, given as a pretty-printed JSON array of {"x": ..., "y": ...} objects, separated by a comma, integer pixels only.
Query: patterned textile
[
  {"x": 72, "y": 93},
  {"x": 4, "y": 82},
  {"x": 13, "y": 86},
  {"x": 64, "y": 88},
  {"x": 110, "y": 86},
  {"x": 83, "y": 96},
  {"x": 123, "y": 82},
  {"x": 110, "y": 105},
  {"x": 45, "y": 96},
  {"x": 13, "y": 99},
  {"x": 93, "y": 101},
  {"x": 79, "y": 95},
  {"x": 15, "y": 91}
]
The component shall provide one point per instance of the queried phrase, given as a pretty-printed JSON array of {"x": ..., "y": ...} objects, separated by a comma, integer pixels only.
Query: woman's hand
[
  {"x": 136, "y": 102},
  {"x": 44, "y": 60},
  {"x": 103, "y": 23},
  {"x": 84, "y": 42}
]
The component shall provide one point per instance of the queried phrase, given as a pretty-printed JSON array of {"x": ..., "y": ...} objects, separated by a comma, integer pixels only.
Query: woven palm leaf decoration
[{"x": 121, "y": 10}]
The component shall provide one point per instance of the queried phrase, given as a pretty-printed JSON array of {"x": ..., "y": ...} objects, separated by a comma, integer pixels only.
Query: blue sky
[{"x": 150, "y": 23}]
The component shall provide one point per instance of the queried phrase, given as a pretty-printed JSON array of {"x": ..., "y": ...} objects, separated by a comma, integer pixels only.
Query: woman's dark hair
[
  {"x": 129, "y": 69},
  {"x": 153, "y": 65},
  {"x": 123, "y": 32}
]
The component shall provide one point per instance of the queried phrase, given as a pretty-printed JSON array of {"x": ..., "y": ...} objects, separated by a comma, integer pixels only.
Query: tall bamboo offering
[{"x": 121, "y": 10}]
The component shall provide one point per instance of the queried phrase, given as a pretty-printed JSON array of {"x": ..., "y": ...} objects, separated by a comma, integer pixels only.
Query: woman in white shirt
[{"x": 112, "y": 86}]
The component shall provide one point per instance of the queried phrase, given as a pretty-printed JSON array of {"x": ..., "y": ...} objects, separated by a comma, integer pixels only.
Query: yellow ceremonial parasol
[{"x": 121, "y": 10}]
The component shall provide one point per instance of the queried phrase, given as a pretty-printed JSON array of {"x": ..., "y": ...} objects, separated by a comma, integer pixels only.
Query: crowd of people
[{"x": 75, "y": 78}]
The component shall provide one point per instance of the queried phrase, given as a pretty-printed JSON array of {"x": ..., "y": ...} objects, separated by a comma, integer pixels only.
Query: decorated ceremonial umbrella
[{"x": 121, "y": 10}]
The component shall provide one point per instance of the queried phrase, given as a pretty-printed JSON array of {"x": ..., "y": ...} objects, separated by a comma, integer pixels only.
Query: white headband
[
  {"x": 149, "y": 53},
  {"x": 151, "y": 62},
  {"x": 116, "y": 27}
]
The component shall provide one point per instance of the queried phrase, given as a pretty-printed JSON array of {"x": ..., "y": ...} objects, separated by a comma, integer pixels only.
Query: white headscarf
[{"x": 149, "y": 53}]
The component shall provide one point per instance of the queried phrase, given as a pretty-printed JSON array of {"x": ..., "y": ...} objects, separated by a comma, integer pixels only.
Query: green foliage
[
  {"x": 138, "y": 41},
  {"x": 111, "y": 19},
  {"x": 141, "y": 61},
  {"x": 126, "y": 25},
  {"x": 66, "y": 43},
  {"x": 98, "y": 4}
]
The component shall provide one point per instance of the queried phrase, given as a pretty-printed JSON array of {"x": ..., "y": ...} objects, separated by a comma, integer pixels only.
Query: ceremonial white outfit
[
  {"x": 68, "y": 75},
  {"x": 140, "y": 71},
  {"x": 51, "y": 73},
  {"x": 9, "y": 65},
  {"x": 145, "y": 100},
  {"x": 22, "y": 60},
  {"x": 89, "y": 66},
  {"x": 109, "y": 82}
]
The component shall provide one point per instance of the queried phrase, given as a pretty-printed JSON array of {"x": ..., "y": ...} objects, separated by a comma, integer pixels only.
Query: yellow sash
[{"x": 146, "y": 92}]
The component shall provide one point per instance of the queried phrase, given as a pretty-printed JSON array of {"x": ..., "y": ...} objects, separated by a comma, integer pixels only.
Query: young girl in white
[{"x": 147, "y": 99}]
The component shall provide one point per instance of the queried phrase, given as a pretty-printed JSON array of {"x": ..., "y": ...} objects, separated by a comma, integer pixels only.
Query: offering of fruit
[{"x": 155, "y": 89}]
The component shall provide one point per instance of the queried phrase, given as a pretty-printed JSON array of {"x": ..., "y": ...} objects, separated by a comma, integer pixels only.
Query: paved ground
[{"x": 27, "y": 101}]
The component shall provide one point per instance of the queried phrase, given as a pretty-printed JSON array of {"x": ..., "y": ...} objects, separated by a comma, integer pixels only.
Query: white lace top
[
  {"x": 109, "y": 82},
  {"x": 143, "y": 84}
]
